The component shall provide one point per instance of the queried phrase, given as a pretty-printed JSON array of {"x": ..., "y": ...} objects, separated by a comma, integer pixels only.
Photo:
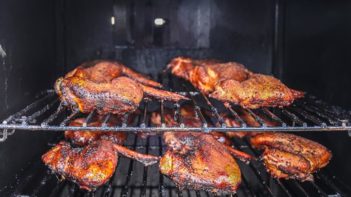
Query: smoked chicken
[
  {"x": 291, "y": 157},
  {"x": 92, "y": 165},
  {"x": 198, "y": 161},
  {"x": 232, "y": 82},
  {"x": 107, "y": 87}
]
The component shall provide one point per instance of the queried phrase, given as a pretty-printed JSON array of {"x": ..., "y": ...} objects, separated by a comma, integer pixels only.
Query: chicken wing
[
  {"x": 104, "y": 87},
  {"x": 232, "y": 82},
  {"x": 290, "y": 156}
]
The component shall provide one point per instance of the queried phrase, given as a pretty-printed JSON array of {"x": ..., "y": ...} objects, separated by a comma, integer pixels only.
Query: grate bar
[
  {"x": 69, "y": 118},
  {"x": 294, "y": 119},
  {"x": 274, "y": 117},
  {"x": 125, "y": 189},
  {"x": 31, "y": 118},
  {"x": 89, "y": 118},
  {"x": 26, "y": 109},
  {"x": 307, "y": 116},
  {"x": 53, "y": 116},
  {"x": 214, "y": 111},
  {"x": 257, "y": 118},
  {"x": 198, "y": 111},
  {"x": 106, "y": 120},
  {"x": 235, "y": 114}
]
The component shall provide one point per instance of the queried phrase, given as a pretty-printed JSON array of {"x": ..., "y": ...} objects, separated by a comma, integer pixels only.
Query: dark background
[{"x": 304, "y": 43}]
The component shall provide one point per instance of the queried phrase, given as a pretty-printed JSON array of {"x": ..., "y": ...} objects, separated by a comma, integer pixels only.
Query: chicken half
[
  {"x": 108, "y": 87},
  {"x": 232, "y": 82},
  {"x": 196, "y": 160},
  {"x": 291, "y": 157},
  {"x": 90, "y": 166}
]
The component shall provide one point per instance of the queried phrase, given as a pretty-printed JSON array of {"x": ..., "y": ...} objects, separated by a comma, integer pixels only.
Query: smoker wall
[{"x": 304, "y": 43}]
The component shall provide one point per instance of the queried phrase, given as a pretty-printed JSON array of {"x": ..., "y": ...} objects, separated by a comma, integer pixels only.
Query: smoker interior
[{"x": 305, "y": 44}]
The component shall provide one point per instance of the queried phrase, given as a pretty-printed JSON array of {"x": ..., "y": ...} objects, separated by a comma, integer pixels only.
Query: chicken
[
  {"x": 90, "y": 166},
  {"x": 232, "y": 82},
  {"x": 108, "y": 87},
  {"x": 198, "y": 161},
  {"x": 255, "y": 92},
  {"x": 291, "y": 157},
  {"x": 82, "y": 138}
]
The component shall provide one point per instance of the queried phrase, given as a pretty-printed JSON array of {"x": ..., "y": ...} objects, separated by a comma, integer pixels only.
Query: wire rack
[
  {"x": 308, "y": 114},
  {"x": 133, "y": 179}
]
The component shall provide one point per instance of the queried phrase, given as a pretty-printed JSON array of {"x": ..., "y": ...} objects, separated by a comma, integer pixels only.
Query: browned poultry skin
[
  {"x": 108, "y": 87},
  {"x": 255, "y": 92},
  {"x": 291, "y": 156},
  {"x": 82, "y": 138},
  {"x": 198, "y": 161},
  {"x": 89, "y": 167},
  {"x": 232, "y": 82}
]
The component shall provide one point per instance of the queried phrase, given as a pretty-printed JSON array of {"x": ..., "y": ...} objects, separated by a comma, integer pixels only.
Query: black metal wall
[
  {"x": 316, "y": 58},
  {"x": 28, "y": 66}
]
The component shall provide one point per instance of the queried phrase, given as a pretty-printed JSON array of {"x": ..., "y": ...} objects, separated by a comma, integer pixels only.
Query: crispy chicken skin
[
  {"x": 232, "y": 82},
  {"x": 82, "y": 138},
  {"x": 92, "y": 165},
  {"x": 291, "y": 157},
  {"x": 108, "y": 87},
  {"x": 198, "y": 161},
  {"x": 255, "y": 92},
  {"x": 89, "y": 167}
]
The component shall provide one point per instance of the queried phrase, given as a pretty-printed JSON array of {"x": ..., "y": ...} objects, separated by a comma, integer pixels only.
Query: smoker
[{"x": 303, "y": 43}]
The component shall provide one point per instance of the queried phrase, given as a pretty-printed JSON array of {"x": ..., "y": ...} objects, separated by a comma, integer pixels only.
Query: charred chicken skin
[
  {"x": 92, "y": 165},
  {"x": 89, "y": 167},
  {"x": 198, "y": 161},
  {"x": 291, "y": 157},
  {"x": 108, "y": 87},
  {"x": 232, "y": 82}
]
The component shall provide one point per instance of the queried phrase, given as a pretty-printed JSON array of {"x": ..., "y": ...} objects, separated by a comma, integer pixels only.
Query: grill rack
[
  {"x": 133, "y": 179},
  {"x": 308, "y": 114}
]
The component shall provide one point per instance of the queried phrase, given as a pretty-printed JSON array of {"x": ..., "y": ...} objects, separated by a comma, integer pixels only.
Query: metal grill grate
[
  {"x": 308, "y": 114},
  {"x": 133, "y": 179}
]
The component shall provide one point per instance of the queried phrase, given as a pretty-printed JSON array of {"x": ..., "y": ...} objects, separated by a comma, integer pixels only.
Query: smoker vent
[{"x": 133, "y": 179}]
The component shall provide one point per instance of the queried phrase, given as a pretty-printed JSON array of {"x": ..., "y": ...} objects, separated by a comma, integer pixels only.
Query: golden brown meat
[
  {"x": 108, "y": 87},
  {"x": 255, "y": 92},
  {"x": 198, "y": 161},
  {"x": 82, "y": 138},
  {"x": 232, "y": 82},
  {"x": 90, "y": 166},
  {"x": 290, "y": 156}
]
